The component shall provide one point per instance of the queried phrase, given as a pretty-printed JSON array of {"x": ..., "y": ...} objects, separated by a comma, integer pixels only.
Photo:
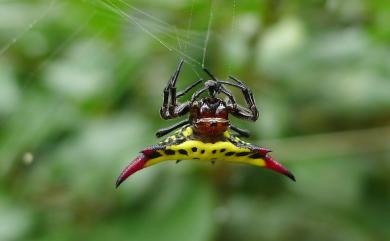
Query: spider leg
[
  {"x": 246, "y": 91},
  {"x": 175, "y": 111},
  {"x": 229, "y": 83},
  {"x": 172, "y": 83},
  {"x": 229, "y": 94},
  {"x": 240, "y": 82},
  {"x": 171, "y": 87},
  {"x": 209, "y": 74},
  {"x": 186, "y": 90},
  {"x": 243, "y": 113},
  {"x": 198, "y": 93},
  {"x": 170, "y": 109},
  {"x": 240, "y": 131},
  {"x": 251, "y": 113},
  {"x": 164, "y": 131}
]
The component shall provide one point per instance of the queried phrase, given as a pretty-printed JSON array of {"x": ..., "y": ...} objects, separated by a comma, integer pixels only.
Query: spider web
[
  {"x": 178, "y": 40},
  {"x": 183, "y": 41}
]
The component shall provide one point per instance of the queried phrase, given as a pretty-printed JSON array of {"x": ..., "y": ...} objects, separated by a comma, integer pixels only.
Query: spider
[{"x": 206, "y": 134}]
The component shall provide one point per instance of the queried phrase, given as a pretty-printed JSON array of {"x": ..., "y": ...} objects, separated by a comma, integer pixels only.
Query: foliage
[{"x": 80, "y": 89}]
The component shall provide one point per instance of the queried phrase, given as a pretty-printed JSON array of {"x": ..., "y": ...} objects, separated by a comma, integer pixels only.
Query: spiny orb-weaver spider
[{"x": 206, "y": 134}]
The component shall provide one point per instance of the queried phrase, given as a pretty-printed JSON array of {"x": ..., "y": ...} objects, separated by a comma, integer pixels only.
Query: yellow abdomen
[{"x": 198, "y": 150}]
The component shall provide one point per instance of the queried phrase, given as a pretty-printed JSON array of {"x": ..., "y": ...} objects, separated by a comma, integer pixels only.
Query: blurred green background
[{"x": 81, "y": 85}]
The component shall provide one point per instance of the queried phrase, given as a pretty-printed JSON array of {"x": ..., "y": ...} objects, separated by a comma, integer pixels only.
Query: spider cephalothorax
[{"x": 205, "y": 135}]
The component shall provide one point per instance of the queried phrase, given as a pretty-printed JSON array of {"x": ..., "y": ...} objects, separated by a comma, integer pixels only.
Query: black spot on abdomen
[
  {"x": 183, "y": 152},
  {"x": 245, "y": 153},
  {"x": 256, "y": 156},
  {"x": 169, "y": 152},
  {"x": 154, "y": 155},
  {"x": 230, "y": 153},
  {"x": 194, "y": 149}
]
